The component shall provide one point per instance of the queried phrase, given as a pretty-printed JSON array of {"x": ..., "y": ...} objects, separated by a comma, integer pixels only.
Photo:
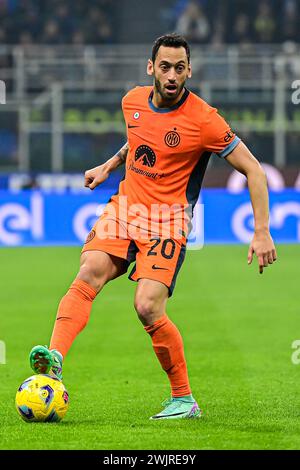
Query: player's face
[{"x": 170, "y": 70}]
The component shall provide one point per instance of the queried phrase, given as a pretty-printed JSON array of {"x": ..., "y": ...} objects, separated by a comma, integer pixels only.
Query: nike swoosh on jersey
[
  {"x": 157, "y": 267},
  {"x": 130, "y": 126}
]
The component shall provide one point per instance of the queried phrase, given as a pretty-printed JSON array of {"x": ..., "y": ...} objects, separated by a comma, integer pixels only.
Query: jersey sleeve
[
  {"x": 126, "y": 100},
  {"x": 217, "y": 135},
  {"x": 132, "y": 95}
]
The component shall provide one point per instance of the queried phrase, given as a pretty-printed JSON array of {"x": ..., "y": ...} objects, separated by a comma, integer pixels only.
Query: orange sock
[
  {"x": 72, "y": 315},
  {"x": 168, "y": 346}
]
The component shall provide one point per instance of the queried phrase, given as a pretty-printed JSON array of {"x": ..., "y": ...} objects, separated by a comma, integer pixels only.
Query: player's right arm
[
  {"x": 219, "y": 138},
  {"x": 97, "y": 175}
]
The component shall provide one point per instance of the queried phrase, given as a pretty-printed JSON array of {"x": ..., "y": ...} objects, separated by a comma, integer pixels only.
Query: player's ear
[
  {"x": 190, "y": 71},
  {"x": 150, "y": 68}
]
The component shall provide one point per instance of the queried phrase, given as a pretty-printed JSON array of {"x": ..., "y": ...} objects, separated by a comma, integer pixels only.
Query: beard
[{"x": 164, "y": 94}]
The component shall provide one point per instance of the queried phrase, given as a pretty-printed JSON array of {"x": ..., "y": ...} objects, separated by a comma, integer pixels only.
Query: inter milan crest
[
  {"x": 172, "y": 139},
  {"x": 90, "y": 236}
]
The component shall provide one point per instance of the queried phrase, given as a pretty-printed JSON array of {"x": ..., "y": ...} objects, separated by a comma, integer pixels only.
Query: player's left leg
[
  {"x": 150, "y": 303},
  {"x": 96, "y": 269}
]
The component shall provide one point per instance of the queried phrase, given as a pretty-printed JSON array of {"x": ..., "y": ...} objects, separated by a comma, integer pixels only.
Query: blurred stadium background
[{"x": 66, "y": 65}]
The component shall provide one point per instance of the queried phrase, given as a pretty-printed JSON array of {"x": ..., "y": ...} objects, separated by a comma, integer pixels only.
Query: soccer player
[{"x": 171, "y": 134}]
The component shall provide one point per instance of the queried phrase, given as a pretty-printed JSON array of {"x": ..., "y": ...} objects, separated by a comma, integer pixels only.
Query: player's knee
[
  {"x": 91, "y": 275},
  {"x": 147, "y": 309}
]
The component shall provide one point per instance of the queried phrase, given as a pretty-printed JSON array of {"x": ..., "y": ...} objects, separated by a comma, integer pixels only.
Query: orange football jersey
[{"x": 169, "y": 148}]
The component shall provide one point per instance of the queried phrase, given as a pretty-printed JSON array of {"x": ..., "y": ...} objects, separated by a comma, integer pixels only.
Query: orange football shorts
[{"x": 156, "y": 257}]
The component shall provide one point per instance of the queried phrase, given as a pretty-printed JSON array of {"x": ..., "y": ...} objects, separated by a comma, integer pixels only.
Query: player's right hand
[
  {"x": 95, "y": 176},
  {"x": 263, "y": 246}
]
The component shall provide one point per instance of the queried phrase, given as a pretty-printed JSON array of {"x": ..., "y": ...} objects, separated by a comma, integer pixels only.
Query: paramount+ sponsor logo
[{"x": 145, "y": 155}]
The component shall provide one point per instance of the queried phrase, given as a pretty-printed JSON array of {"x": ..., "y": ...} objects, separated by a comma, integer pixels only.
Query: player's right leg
[{"x": 96, "y": 269}]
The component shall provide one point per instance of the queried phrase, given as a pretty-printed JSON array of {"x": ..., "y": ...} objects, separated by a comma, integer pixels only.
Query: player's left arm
[{"x": 262, "y": 244}]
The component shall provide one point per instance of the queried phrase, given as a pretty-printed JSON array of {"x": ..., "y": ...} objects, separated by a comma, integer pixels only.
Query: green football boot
[
  {"x": 183, "y": 407},
  {"x": 46, "y": 361}
]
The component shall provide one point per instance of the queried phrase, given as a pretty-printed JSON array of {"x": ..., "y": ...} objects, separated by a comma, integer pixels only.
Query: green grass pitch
[{"x": 238, "y": 327}]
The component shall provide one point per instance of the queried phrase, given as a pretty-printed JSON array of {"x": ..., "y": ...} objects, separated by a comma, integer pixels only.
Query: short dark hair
[{"x": 170, "y": 40}]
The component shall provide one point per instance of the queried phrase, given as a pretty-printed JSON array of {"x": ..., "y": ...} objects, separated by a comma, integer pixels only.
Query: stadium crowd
[
  {"x": 56, "y": 22},
  {"x": 237, "y": 21},
  {"x": 201, "y": 21}
]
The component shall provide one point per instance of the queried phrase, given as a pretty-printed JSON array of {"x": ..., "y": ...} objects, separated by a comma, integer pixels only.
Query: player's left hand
[{"x": 263, "y": 246}]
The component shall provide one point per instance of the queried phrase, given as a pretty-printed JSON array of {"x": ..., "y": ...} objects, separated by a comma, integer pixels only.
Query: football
[{"x": 42, "y": 398}]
